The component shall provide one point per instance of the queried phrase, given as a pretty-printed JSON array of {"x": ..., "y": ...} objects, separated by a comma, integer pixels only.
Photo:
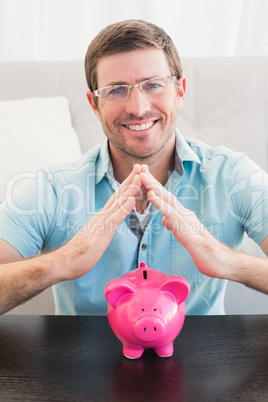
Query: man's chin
[
  {"x": 140, "y": 146},
  {"x": 140, "y": 152}
]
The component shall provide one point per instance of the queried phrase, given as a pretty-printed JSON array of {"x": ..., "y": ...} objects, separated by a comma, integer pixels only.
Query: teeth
[{"x": 140, "y": 127}]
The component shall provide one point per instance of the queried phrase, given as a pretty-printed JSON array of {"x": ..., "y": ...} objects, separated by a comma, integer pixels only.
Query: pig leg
[
  {"x": 165, "y": 350},
  {"x": 132, "y": 351}
]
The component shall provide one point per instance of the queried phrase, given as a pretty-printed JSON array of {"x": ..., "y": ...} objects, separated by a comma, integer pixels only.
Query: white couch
[{"x": 226, "y": 103}]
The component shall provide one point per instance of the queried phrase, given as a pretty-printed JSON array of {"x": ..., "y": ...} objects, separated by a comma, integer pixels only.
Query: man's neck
[{"x": 160, "y": 165}]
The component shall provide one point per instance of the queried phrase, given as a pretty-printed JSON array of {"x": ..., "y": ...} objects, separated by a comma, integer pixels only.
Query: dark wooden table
[{"x": 63, "y": 358}]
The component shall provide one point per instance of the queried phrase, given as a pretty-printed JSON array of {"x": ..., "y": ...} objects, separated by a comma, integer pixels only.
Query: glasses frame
[{"x": 96, "y": 92}]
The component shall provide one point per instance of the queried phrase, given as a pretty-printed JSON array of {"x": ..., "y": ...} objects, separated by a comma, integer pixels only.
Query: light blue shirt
[{"x": 227, "y": 191}]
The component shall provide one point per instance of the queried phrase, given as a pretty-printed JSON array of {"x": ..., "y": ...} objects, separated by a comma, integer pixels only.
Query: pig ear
[
  {"x": 178, "y": 286},
  {"x": 116, "y": 289}
]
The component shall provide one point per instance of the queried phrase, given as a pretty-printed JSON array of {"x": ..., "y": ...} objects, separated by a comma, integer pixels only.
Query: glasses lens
[
  {"x": 156, "y": 85},
  {"x": 114, "y": 93},
  {"x": 148, "y": 87}
]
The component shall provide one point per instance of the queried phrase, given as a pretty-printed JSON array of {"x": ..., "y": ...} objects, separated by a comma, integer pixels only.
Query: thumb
[{"x": 166, "y": 223}]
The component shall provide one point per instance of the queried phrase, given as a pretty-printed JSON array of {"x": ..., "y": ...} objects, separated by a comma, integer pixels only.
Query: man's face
[{"x": 141, "y": 125}]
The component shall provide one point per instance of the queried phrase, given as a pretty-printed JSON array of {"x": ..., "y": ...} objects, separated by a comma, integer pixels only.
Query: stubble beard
[{"x": 119, "y": 142}]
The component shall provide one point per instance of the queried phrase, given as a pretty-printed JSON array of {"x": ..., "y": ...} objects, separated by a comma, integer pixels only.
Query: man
[{"x": 148, "y": 194}]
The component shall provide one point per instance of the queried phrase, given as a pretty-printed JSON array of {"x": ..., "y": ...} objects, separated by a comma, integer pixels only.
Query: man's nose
[{"x": 137, "y": 102}]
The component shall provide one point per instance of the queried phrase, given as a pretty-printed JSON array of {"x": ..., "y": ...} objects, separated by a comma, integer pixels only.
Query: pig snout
[{"x": 148, "y": 328}]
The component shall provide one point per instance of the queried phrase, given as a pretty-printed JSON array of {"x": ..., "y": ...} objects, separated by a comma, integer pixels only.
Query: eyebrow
[{"x": 112, "y": 83}]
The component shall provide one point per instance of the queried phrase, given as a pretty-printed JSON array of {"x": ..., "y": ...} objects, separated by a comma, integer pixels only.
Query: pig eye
[
  {"x": 155, "y": 309},
  {"x": 142, "y": 309}
]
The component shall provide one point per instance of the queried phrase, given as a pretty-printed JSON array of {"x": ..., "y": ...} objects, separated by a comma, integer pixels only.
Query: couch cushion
[{"x": 34, "y": 134}]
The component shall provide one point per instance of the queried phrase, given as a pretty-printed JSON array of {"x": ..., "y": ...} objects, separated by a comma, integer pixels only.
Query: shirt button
[{"x": 143, "y": 247}]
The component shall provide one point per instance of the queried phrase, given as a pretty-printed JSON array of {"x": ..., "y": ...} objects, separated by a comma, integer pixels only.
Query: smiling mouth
[{"x": 140, "y": 127}]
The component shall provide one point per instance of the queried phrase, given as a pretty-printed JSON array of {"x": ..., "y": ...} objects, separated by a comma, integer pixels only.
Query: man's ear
[
  {"x": 90, "y": 97},
  {"x": 181, "y": 91}
]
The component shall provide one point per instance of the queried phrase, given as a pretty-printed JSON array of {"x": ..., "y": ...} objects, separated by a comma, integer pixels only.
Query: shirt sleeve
[
  {"x": 28, "y": 213},
  {"x": 248, "y": 197}
]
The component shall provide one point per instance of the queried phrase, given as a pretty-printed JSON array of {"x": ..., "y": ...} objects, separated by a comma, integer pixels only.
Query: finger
[
  {"x": 109, "y": 225},
  {"x": 151, "y": 184},
  {"x": 172, "y": 219},
  {"x": 166, "y": 223},
  {"x": 124, "y": 185},
  {"x": 148, "y": 180},
  {"x": 175, "y": 206},
  {"x": 115, "y": 203},
  {"x": 183, "y": 223},
  {"x": 121, "y": 213},
  {"x": 144, "y": 168},
  {"x": 131, "y": 191},
  {"x": 164, "y": 207}
]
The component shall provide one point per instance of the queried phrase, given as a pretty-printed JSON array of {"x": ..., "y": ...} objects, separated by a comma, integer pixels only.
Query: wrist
[
  {"x": 249, "y": 270},
  {"x": 239, "y": 265},
  {"x": 53, "y": 265}
]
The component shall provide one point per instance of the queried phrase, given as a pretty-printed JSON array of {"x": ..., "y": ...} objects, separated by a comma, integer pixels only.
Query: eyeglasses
[{"x": 152, "y": 86}]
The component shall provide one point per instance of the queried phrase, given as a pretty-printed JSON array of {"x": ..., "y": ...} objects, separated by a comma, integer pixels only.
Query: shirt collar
[
  {"x": 103, "y": 163},
  {"x": 183, "y": 153}
]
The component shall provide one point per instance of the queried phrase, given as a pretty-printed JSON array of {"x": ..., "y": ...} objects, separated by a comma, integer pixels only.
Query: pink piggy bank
[{"x": 146, "y": 309}]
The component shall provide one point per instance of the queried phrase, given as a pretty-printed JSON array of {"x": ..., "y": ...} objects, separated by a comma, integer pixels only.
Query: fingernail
[
  {"x": 146, "y": 167},
  {"x": 137, "y": 167}
]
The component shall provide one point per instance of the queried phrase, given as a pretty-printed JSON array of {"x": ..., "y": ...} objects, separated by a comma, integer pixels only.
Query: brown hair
[{"x": 125, "y": 36}]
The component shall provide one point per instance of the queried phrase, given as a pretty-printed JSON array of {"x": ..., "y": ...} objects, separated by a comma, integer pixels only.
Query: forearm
[
  {"x": 210, "y": 256},
  {"x": 217, "y": 260},
  {"x": 248, "y": 269},
  {"x": 21, "y": 280}
]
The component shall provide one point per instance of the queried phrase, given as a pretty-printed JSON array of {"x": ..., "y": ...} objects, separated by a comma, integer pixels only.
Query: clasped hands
[{"x": 89, "y": 244}]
